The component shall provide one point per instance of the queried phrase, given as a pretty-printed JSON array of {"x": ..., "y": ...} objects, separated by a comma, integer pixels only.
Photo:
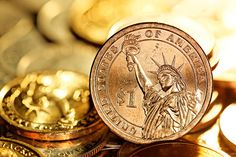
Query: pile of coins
[{"x": 117, "y": 78}]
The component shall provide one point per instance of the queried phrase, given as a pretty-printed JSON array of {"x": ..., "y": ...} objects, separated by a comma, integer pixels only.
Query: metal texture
[
  {"x": 14, "y": 148},
  {"x": 151, "y": 82},
  {"x": 49, "y": 106}
]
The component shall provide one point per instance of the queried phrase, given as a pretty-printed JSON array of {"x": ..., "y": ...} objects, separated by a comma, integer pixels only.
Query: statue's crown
[{"x": 169, "y": 67}]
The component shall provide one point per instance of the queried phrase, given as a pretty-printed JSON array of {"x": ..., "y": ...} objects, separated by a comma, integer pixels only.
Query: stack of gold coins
[
  {"x": 16, "y": 148},
  {"x": 160, "y": 74},
  {"x": 53, "y": 106}
]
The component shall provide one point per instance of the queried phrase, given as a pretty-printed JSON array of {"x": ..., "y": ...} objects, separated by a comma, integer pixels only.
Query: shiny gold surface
[
  {"x": 209, "y": 118},
  {"x": 52, "y": 21},
  {"x": 48, "y": 102},
  {"x": 51, "y": 35},
  {"x": 153, "y": 79},
  {"x": 211, "y": 138},
  {"x": 14, "y": 148},
  {"x": 93, "y": 19},
  {"x": 227, "y": 129},
  {"x": 224, "y": 75},
  {"x": 214, "y": 96}
]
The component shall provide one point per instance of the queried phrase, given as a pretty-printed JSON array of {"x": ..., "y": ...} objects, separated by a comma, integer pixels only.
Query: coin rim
[
  {"x": 22, "y": 143},
  {"x": 137, "y": 26}
]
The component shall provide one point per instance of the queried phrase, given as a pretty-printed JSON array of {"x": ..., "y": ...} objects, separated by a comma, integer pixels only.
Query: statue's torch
[{"x": 130, "y": 48}]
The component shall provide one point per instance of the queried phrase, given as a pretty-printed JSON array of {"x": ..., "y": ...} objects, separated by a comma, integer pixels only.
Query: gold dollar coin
[
  {"x": 151, "y": 82},
  {"x": 14, "y": 148},
  {"x": 49, "y": 106}
]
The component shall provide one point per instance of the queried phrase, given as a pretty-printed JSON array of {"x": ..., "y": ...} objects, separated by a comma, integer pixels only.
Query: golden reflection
[
  {"x": 210, "y": 138},
  {"x": 60, "y": 98},
  {"x": 225, "y": 48},
  {"x": 4, "y": 152},
  {"x": 209, "y": 118},
  {"x": 228, "y": 14},
  {"x": 227, "y": 128},
  {"x": 92, "y": 19},
  {"x": 212, "y": 114},
  {"x": 214, "y": 96}
]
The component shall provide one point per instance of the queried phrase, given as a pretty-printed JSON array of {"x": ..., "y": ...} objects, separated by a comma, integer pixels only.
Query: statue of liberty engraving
[{"x": 169, "y": 108}]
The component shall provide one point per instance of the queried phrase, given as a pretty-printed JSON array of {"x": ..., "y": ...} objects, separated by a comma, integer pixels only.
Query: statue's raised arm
[{"x": 131, "y": 48}]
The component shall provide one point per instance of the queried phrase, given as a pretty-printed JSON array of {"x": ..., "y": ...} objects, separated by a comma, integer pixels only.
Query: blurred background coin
[
  {"x": 10, "y": 15},
  {"x": 29, "y": 5},
  {"x": 227, "y": 128},
  {"x": 78, "y": 56},
  {"x": 92, "y": 19},
  {"x": 11, "y": 55},
  {"x": 53, "y": 22}
]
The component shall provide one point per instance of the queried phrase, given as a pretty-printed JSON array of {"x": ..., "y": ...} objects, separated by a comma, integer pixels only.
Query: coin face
[
  {"x": 14, "y": 148},
  {"x": 46, "y": 105},
  {"x": 151, "y": 82}
]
